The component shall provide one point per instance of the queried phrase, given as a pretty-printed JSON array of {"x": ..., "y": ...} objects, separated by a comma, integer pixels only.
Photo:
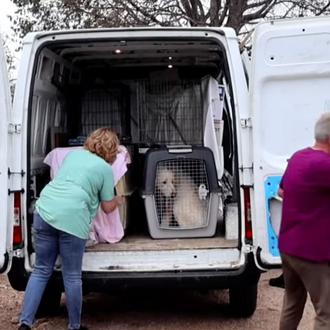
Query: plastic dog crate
[{"x": 181, "y": 192}]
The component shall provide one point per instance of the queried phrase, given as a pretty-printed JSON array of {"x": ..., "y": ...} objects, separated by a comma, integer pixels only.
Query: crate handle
[{"x": 178, "y": 149}]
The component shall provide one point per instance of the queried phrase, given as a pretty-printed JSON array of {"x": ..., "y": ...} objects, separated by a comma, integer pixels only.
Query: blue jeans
[{"x": 48, "y": 243}]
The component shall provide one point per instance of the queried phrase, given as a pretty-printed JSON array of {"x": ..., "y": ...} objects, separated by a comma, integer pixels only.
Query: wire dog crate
[
  {"x": 106, "y": 106},
  {"x": 170, "y": 112},
  {"x": 181, "y": 192},
  {"x": 163, "y": 112}
]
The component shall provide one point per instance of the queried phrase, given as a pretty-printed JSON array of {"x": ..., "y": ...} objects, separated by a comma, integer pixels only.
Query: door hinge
[
  {"x": 19, "y": 253},
  {"x": 14, "y": 128},
  {"x": 248, "y": 248},
  {"x": 248, "y": 167},
  {"x": 21, "y": 173},
  {"x": 246, "y": 122},
  {"x": 22, "y": 191}
]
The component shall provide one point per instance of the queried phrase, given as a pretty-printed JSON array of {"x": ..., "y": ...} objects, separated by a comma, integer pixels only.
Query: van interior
[{"x": 150, "y": 92}]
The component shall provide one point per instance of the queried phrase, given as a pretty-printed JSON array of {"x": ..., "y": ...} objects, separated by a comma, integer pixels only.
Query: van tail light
[
  {"x": 247, "y": 214},
  {"x": 17, "y": 233}
]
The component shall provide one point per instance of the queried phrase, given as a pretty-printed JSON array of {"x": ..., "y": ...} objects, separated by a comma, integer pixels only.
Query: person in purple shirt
[{"x": 304, "y": 238}]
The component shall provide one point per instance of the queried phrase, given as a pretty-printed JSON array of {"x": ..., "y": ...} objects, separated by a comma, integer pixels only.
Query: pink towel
[
  {"x": 106, "y": 228},
  {"x": 119, "y": 166},
  {"x": 55, "y": 158}
]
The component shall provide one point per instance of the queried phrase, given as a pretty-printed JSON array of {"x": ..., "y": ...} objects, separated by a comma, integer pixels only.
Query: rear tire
[
  {"x": 17, "y": 276},
  {"x": 243, "y": 300}
]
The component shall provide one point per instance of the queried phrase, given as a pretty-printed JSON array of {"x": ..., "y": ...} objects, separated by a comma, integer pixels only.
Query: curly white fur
[
  {"x": 165, "y": 182},
  {"x": 188, "y": 209},
  {"x": 165, "y": 185}
]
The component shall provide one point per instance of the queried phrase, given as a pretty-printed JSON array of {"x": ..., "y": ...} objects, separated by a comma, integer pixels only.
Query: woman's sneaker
[{"x": 24, "y": 327}]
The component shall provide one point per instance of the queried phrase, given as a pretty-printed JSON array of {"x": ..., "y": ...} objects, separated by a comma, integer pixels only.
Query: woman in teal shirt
[{"x": 61, "y": 224}]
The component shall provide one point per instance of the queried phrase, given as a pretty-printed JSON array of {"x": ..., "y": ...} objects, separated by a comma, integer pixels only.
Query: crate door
[{"x": 179, "y": 201}]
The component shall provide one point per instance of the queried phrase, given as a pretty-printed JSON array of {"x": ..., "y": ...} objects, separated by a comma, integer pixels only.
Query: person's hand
[
  {"x": 280, "y": 192},
  {"x": 109, "y": 206}
]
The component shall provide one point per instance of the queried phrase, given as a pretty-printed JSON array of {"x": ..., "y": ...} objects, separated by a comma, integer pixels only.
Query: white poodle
[
  {"x": 182, "y": 203},
  {"x": 165, "y": 195},
  {"x": 165, "y": 182},
  {"x": 188, "y": 209}
]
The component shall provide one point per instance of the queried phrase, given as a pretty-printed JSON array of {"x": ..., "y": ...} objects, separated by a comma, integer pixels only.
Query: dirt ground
[{"x": 173, "y": 310}]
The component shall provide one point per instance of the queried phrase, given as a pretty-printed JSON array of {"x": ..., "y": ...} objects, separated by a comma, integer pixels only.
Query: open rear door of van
[
  {"x": 289, "y": 89},
  {"x": 5, "y": 110}
]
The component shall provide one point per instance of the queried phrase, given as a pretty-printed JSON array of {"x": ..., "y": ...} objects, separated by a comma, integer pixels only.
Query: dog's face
[{"x": 165, "y": 182}]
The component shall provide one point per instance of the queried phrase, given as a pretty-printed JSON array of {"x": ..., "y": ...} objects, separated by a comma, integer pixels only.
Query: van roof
[{"x": 229, "y": 32}]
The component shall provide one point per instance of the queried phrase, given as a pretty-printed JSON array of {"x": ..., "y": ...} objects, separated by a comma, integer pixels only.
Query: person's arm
[
  {"x": 108, "y": 201},
  {"x": 109, "y": 206}
]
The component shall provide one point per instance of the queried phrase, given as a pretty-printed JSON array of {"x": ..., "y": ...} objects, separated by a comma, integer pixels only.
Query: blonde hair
[
  {"x": 104, "y": 143},
  {"x": 322, "y": 128}
]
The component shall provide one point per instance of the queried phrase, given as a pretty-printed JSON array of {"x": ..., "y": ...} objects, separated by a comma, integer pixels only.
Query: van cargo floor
[{"x": 145, "y": 243}]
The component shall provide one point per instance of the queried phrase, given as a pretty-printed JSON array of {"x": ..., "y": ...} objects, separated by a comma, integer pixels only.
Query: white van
[{"x": 149, "y": 85}]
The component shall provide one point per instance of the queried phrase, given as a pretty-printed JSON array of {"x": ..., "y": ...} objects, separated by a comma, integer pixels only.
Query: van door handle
[
  {"x": 278, "y": 198},
  {"x": 275, "y": 212}
]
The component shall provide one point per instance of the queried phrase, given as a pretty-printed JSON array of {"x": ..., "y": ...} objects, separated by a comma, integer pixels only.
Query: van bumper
[{"x": 248, "y": 274}]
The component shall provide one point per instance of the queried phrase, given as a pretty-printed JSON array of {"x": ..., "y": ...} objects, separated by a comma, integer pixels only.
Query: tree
[
  {"x": 11, "y": 63},
  {"x": 238, "y": 14}
]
